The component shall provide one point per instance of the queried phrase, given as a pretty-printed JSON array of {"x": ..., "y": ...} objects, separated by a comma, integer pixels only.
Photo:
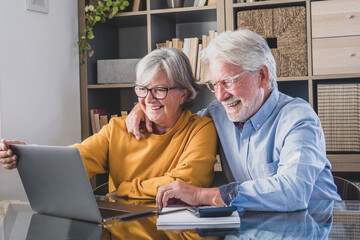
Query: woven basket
[
  {"x": 339, "y": 111},
  {"x": 287, "y": 27}
]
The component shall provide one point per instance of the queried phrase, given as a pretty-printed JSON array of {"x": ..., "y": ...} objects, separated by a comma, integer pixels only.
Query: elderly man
[{"x": 272, "y": 145}]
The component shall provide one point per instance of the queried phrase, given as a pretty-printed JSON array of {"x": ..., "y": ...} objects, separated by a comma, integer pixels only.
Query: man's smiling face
[{"x": 245, "y": 97}]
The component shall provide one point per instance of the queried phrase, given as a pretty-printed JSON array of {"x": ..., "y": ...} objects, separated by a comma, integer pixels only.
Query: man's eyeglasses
[
  {"x": 227, "y": 83},
  {"x": 158, "y": 93}
]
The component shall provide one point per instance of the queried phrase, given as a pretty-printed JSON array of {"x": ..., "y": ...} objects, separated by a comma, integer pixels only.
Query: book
[
  {"x": 95, "y": 119},
  {"x": 97, "y": 122},
  {"x": 138, "y": 5},
  {"x": 92, "y": 121},
  {"x": 186, "y": 46},
  {"x": 175, "y": 42},
  {"x": 168, "y": 44},
  {"x": 191, "y": 53},
  {"x": 211, "y": 2},
  {"x": 185, "y": 220},
  {"x": 181, "y": 44},
  {"x": 198, "y": 64},
  {"x": 204, "y": 40},
  {"x": 103, "y": 120},
  {"x": 206, "y": 73},
  {"x": 211, "y": 35},
  {"x": 194, "y": 53},
  {"x": 201, "y": 3}
]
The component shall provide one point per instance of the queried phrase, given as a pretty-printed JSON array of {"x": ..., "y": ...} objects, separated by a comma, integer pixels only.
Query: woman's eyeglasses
[{"x": 158, "y": 93}]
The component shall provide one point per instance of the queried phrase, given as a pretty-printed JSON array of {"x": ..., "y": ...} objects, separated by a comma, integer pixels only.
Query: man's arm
[
  {"x": 188, "y": 194},
  {"x": 137, "y": 116}
]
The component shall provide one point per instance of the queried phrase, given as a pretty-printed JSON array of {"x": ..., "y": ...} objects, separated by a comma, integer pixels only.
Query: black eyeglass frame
[{"x": 150, "y": 90}]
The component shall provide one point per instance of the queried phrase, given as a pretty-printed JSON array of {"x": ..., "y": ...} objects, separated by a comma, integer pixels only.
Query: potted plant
[{"x": 97, "y": 11}]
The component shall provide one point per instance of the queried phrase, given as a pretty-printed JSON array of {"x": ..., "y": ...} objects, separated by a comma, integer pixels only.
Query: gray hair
[
  {"x": 242, "y": 48},
  {"x": 177, "y": 67}
]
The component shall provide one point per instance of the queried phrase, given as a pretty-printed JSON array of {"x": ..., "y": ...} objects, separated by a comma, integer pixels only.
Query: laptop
[{"x": 57, "y": 184}]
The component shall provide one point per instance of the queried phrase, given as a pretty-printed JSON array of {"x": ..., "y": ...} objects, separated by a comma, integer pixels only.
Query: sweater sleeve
[
  {"x": 195, "y": 166},
  {"x": 94, "y": 152}
]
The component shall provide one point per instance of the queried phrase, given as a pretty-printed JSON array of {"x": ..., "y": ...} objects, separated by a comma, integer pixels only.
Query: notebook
[
  {"x": 183, "y": 219},
  {"x": 57, "y": 184}
]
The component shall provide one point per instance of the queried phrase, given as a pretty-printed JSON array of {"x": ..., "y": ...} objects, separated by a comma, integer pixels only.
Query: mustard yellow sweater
[{"x": 138, "y": 168}]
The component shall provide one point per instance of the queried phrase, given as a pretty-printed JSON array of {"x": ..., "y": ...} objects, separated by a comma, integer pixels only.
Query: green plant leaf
[
  {"x": 90, "y": 35},
  {"x": 97, "y": 11}
]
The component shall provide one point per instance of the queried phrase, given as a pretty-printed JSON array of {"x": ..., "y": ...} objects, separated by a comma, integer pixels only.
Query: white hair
[
  {"x": 242, "y": 48},
  {"x": 177, "y": 67}
]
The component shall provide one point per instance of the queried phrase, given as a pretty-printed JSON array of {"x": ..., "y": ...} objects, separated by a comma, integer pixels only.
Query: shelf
[
  {"x": 296, "y": 78},
  {"x": 128, "y": 21},
  {"x": 335, "y": 76},
  {"x": 183, "y": 9},
  {"x": 124, "y": 14},
  {"x": 114, "y": 85},
  {"x": 273, "y": 3},
  {"x": 192, "y": 15},
  {"x": 344, "y": 162}
]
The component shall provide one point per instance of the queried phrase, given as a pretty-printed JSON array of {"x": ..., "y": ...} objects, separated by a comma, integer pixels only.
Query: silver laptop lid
[{"x": 56, "y": 182}]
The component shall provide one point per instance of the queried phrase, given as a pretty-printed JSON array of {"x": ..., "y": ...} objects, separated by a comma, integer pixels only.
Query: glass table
[{"x": 322, "y": 220}]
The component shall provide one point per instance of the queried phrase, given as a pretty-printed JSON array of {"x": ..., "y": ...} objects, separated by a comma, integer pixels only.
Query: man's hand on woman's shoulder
[{"x": 133, "y": 122}]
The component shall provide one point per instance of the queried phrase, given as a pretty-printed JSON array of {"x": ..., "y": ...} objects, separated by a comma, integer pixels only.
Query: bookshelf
[
  {"x": 343, "y": 17},
  {"x": 134, "y": 34}
]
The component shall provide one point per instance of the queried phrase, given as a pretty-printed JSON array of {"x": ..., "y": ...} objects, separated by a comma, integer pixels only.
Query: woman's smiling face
[{"x": 164, "y": 113}]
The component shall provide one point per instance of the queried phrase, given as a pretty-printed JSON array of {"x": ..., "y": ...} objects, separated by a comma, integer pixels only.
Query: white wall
[{"x": 39, "y": 78}]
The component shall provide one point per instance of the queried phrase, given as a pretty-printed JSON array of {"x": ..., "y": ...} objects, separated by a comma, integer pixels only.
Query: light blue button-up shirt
[{"x": 277, "y": 160}]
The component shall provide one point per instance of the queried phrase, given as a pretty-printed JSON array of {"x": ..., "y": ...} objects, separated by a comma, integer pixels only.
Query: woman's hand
[
  {"x": 7, "y": 157},
  {"x": 133, "y": 122}
]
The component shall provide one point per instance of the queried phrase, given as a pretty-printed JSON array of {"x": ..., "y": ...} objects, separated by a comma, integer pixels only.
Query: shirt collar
[
  {"x": 266, "y": 109},
  {"x": 239, "y": 126}
]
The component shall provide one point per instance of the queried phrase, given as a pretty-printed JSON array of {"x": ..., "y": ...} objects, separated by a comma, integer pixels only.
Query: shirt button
[
  {"x": 245, "y": 141},
  {"x": 258, "y": 125}
]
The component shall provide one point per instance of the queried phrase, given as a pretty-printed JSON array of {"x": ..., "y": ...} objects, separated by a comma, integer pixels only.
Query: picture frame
[{"x": 38, "y": 5}]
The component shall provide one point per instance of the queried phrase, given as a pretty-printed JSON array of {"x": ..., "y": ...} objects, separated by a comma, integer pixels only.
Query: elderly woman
[{"x": 181, "y": 146}]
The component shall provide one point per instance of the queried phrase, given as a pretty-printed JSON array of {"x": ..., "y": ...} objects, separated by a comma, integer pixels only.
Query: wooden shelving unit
[{"x": 134, "y": 34}]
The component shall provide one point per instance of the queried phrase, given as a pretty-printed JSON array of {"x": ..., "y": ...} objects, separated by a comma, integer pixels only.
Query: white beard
[{"x": 245, "y": 110}]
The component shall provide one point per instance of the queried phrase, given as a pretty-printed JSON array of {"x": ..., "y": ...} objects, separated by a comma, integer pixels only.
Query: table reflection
[
  {"x": 322, "y": 220},
  {"x": 312, "y": 223},
  {"x": 144, "y": 227},
  {"x": 44, "y": 227}
]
